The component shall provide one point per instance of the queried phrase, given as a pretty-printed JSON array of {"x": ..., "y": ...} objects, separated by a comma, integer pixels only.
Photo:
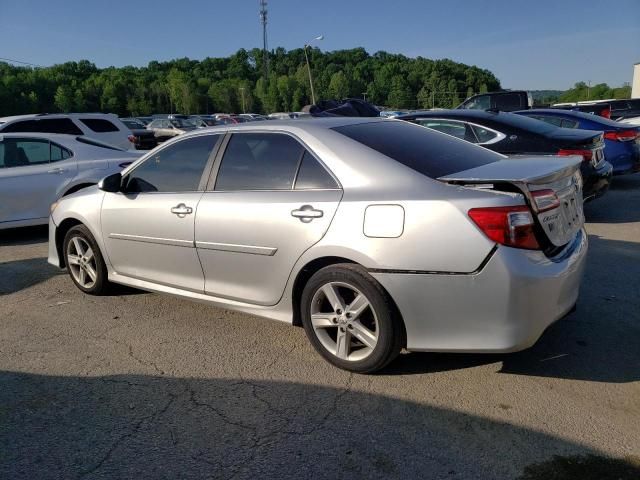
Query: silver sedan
[{"x": 374, "y": 235}]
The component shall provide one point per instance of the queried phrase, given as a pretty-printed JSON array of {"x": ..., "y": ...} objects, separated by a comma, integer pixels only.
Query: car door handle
[
  {"x": 56, "y": 170},
  {"x": 181, "y": 210},
  {"x": 306, "y": 213}
]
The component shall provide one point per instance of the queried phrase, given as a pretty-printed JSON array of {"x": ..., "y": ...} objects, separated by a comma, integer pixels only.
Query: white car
[
  {"x": 105, "y": 127},
  {"x": 36, "y": 169},
  {"x": 631, "y": 121}
]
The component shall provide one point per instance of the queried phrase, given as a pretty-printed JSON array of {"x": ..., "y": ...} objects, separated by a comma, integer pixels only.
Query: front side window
[
  {"x": 99, "y": 125},
  {"x": 176, "y": 168},
  {"x": 259, "y": 161},
  {"x": 508, "y": 102}
]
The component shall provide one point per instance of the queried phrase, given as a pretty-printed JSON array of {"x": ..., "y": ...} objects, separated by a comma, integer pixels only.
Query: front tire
[
  {"x": 84, "y": 261},
  {"x": 350, "y": 319}
]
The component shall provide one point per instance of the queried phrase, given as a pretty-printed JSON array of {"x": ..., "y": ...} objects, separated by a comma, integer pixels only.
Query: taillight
[
  {"x": 510, "y": 226},
  {"x": 622, "y": 135},
  {"x": 605, "y": 113},
  {"x": 132, "y": 138},
  {"x": 586, "y": 154},
  {"x": 545, "y": 199}
]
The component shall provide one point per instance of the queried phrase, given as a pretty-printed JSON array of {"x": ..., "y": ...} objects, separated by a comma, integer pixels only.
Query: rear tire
[
  {"x": 350, "y": 319},
  {"x": 84, "y": 261}
]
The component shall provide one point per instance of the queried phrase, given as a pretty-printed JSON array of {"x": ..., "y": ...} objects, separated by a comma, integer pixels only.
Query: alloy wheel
[
  {"x": 82, "y": 262},
  {"x": 344, "y": 321}
]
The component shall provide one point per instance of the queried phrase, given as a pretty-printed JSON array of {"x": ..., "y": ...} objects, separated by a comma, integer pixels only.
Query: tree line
[
  {"x": 583, "y": 92},
  {"x": 236, "y": 83}
]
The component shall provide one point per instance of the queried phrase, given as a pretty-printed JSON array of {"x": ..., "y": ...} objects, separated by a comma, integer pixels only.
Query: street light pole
[{"x": 306, "y": 56}]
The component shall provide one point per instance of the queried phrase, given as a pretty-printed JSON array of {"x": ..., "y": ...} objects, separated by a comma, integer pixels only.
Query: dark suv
[{"x": 505, "y": 101}]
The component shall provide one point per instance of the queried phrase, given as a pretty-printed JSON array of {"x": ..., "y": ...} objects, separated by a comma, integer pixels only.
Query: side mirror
[{"x": 112, "y": 183}]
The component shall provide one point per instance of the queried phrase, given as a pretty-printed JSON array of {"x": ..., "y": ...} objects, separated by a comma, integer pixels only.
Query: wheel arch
[
  {"x": 61, "y": 231},
  {"x": 79, "y": 186},
  {"x": 310, "y": 268}
]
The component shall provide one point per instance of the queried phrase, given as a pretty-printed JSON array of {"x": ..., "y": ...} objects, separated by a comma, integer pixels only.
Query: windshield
[
  {"x": 428, "y": 152},
  {"x": 182, "y": 123}
]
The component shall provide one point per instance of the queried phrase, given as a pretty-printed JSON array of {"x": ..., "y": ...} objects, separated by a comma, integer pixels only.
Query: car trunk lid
[{"x": 535, "y": 178}]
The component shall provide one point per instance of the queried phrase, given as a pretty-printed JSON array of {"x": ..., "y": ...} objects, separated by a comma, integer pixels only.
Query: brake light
[
  {"x": 510, "y": 226},
  {"x": 545, "y": 200},
  {"x": 586, "y": 154},
  {"x": 622, "y": 135},
  {"x": 132, "y": 138}
]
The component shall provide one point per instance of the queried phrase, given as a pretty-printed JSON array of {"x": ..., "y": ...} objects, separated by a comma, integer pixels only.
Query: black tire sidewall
[
  {"x": 101, "y": 284},
  {"x": 389, "y": 333}
]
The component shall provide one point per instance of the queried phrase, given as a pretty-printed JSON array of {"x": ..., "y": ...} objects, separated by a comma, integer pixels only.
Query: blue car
[{"x": 622, "y": 141}]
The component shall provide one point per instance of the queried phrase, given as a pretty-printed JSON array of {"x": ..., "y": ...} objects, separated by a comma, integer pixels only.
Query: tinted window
[
  {"x": 551, "y": 120},
  {"x": 524, "y": 123},
  {"x": 18, "y": 152},
  {"x": 132, "y": 124},
  {"x": 453, "y": 128},
  {"x": 259, "y": 161},
  {"x": 99, "y": 125},
  {"x": 483, "y": 134},
  {"x": 568, "y": 123},
  {"x": 508, "y": 102},
  {"x": 176, "y": 168},
  {"x": 313, "y": 175},
  {"x": 59, "y": 153},
  {"x": 45, "y": 125},
  {"x": 424, "y": 151}
]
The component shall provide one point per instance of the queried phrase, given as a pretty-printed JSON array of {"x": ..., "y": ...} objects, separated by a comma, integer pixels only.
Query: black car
[
  {"x": 142, "y": 138},
  {"x": 505, "y": 101},
  {"x": 514, "y": 135}
]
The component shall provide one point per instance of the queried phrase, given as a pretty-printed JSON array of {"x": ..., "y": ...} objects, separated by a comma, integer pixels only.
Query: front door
[
  {"x": 272, "y": 201},
  {"x": 32, "y": 172},
  {"x": 148, "y": 228}
]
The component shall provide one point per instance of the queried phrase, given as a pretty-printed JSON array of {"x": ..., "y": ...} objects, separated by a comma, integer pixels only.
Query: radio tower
[{"x": 265, "y": 54}]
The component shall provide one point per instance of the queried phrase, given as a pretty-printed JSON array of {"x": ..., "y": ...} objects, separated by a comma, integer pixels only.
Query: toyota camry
[{"x": 374, "y": 235}]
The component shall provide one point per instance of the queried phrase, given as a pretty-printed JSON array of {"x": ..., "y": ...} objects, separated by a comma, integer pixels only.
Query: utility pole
[
  {"x": 265, "y": 54},
  {"x": 242, "y": 94}
]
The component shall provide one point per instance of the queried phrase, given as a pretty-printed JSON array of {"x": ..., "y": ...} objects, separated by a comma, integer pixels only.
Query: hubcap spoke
[
  {"x": 363, "y": 334},
  {"x": 88, "y": 255},
  {"x": 322, "y": 320},
  {"x": 78, "y": 246},
  {"x": 82, "y": 276},
  {"x": 91, "y": 272},
  {"x": 359, "y": 305},
  {"x": 73, "y": 259},
  {"x": 342, "y": 344},
  {"x": 333, "y": 297}
]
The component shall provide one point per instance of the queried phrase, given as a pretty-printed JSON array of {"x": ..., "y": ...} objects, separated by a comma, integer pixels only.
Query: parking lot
[{"x": 140, "y": 385}]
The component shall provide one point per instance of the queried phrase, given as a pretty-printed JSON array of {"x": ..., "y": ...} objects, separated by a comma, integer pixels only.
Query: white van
[{"x": 105, "y": 127}]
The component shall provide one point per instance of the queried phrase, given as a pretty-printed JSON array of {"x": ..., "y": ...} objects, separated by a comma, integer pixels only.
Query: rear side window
[
  {"x": 568, "y": 123},
  {"x": 45, "y": 125},
  {"x": 99, "y": 125},
  {"x": 483, "y": 135},
  {"x": 59, "y": 153},
  {"x": 176, "y": 168},
  {"x": 508, "y": 102},
  {"x": 312, "y": 175},
  {"x": 426, "y": 152},
  {"x": 450, "y": 127},
  {"x": 259, "y": 161},
  {"x": 23, "y": 152},
  {"x": 551, "y": 120}
]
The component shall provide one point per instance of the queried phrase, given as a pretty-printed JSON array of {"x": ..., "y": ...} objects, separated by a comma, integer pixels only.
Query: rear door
[
  {"x": 271, "y": 200},
  {"x": 32, "y": 172},
  {"x": 148, "y": 228}
]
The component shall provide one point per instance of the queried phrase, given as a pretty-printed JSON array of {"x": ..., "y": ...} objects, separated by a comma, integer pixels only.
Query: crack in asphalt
[{"x": 136, "y": 428}]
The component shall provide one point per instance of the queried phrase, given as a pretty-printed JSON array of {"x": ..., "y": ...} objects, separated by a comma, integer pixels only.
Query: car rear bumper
[
  {"x": 504, "y": 307},
  {"x": 597, "y": 182}
]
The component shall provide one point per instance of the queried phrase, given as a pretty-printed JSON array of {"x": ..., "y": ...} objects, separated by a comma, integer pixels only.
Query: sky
[{"x": 527, "y": 44}]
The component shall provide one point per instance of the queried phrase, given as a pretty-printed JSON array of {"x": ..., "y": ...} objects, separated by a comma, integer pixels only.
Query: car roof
[
  {"x": 560, "y": 112},
  {"x": 461, "y": 113},
  {"x": 309, "y": 124},
  {"x": 31, "y": 116}
]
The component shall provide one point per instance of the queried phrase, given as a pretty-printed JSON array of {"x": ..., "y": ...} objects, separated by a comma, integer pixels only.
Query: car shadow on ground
[
  {"x": 24, "y": 235},
  {"x": 619, "y": 204},
  {"x": 17, "y": 275},
  {"x": 136, "y": 426},
  {"x": 598, "y": 342}
]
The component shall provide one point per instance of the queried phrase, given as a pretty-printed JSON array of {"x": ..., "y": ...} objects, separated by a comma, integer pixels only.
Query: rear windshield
[
  {"x": 428, "y": 152},
  {"x": 524, "y": 123}
]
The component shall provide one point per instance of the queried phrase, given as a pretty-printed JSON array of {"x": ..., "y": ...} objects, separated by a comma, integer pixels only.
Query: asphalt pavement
[{"x": 140, "y": 385}]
